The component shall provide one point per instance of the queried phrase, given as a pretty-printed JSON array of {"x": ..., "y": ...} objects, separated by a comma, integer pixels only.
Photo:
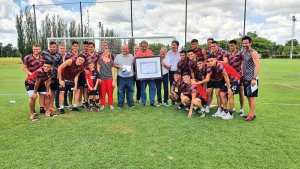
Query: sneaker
[
  {"x": 143, "y": 104},
  {"x": 180, "y": 106},
  {"x": 228, "y": 116},
  {"x": 75, "y": 109},
  {"x": 42, "y": 110},
  {"x": 187, "y": 108},
  {"x": 132, "y": 106},
  {"x": 111, "y": 107},
  {"x": 223, "y": 114},
  {"x": 102, "y": 108},
  {"x": 242, "y": 114},
  {"x": 218, "y": 113},
  {"x": 153, "y": 105},
  {"x": 207, "y": 109},
  {"x": 62, "y": 110},
  {"x": 158, "y": 105},
  {"x": 166, "y": 104}
]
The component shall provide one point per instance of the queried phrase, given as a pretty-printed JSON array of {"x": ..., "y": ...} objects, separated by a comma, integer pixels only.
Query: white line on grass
[
  {"x": 286, "y": 85},
  {"x": 8, "y": 94},
  {"x": 280, "y": 104}
]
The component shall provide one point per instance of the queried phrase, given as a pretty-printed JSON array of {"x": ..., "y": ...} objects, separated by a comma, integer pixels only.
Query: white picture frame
[{"x": 148, "y": 68}]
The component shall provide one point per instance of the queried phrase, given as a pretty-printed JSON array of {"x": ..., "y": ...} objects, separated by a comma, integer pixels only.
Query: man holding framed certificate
[{"x": 147, "y": 69}]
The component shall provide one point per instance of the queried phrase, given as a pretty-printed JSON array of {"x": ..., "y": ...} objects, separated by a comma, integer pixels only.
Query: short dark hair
[
  {"x": 81, "y": 55},
  {"x": 75, "y": 42},
  {"x": 233, "y": 42},
  {"x": 210, "y": 39},
  {"x": 247, "y": 38},
  {"x": 91, "y": 43},
  {"x": 212, "y": 56},
  {"x": 194, "y": 40},
  {"x": 215, "y": 42},
  {"x": 143, "y": 42},
  {"x": 186, "y": 74},
  {"x": 52, "y": 43},
  {"x": 192, "y": 50},
  {"x": 48, "y": 62},
  {"x": 183, "y": 51},
  {"x": 200, "y": 59},
  {"x": 177, "y": 73},
  {"x": 85, "y": 42},
  {"x": 175, "y": 41}
]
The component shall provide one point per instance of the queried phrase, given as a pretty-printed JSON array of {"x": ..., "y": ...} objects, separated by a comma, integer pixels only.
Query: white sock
[{"x": 74, "y": 105}]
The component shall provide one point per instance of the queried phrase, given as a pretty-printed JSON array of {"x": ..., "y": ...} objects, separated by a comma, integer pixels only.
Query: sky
[{"x": 219, "y": 19}]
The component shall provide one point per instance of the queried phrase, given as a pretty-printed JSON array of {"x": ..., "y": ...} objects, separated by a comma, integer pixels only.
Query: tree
[
  {"x": 252, "y": 34},
  {"x": 263, "y": 46},
  {"x": 155, "y": 47},
  {"x": 21, "y": 35},
  {"x": 289, "y": 43}
]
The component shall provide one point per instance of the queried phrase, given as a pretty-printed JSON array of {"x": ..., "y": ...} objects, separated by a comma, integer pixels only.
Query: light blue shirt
[{"x": 174, "y": 59}]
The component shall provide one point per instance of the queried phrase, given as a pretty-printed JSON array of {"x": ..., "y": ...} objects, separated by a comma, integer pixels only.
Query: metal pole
[
  {"x": 185, "y": 28},
  {"x": 131, "y": 18},
  {"x": 81, "y": 19},
  {"x": 245, "y": 9},
  {"x": 293, "y": 35},
  {"x": 35, "y": 28}
]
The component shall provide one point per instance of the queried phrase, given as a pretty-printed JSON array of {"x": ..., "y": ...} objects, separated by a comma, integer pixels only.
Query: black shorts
[
  {"x": 247, "y": 89},
  {"x": 203, "y": 101},
  {"x": 69, "y": 86},
  {"x": 93, "y": 92},
  {"x": 82, "y": 80},
  {"x": 215, "y": 84},
  {"x": 188, "y": 95},
  {"x": 30, "y": 89},
  {"x": 233, "y": 85},
  {"x": 54, "y": 84}
]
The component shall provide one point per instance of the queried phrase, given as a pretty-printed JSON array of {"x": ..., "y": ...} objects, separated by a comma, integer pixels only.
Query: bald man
[{"x": 125, "y": 78}]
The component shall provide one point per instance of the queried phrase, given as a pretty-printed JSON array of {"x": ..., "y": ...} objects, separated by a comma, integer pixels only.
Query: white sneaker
[
  {"x": 223, "y": 114},
  {"x": 212, "y": 105},
  {"x": 228, "y": 116},
  {"x": 166, "y": 104},
  {"x": 207, "y": 109},
  {"x": 102, "y": 108},
  {"x": 242, "y": 114},
  {"x": 218, "y": 113},
  {"x": 158, "y": 105},
  {"x": 111, "y": 107},
  {"x": 202, "y": 112}
]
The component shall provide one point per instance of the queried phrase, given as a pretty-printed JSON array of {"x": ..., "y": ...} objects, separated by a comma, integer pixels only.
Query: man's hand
[
  {"x": 229, "y": 91},
  {"x": 253, "y": 82},
  {"x": 113, "y": 83},
  {"x": 49, "y": 94},
  {"x": 34, "y": 96},
  {"x": 190, "y": 113},
  {"x": 62, "y": 83}
]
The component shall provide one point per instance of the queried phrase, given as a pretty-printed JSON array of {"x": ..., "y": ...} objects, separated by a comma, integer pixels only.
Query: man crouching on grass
[{"x": 39, "y": 81}]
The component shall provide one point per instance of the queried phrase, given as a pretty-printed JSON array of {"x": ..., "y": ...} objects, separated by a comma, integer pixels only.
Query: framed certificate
[{"x": 148, "y": 68}]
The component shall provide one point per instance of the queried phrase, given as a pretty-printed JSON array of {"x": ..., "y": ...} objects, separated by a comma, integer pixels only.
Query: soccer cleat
[
  {"x": 61, "y": 110},
  {"x": 75, "y": 109},
  {"x": 207, "y": 109},
  {"x": 201, "y": 112},
  {"x": 242, "y": 113},
  {"x": 228, "y": 116},
  {"x": 111, "y": 107}
]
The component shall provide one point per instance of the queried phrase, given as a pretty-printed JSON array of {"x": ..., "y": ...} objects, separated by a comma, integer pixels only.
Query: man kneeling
[{"x": 39, "y": 81}]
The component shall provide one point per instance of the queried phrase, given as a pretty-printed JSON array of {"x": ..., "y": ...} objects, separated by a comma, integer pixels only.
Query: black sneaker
[
  {"x": 42, "y": 110},
  {"x": 62, "y": 111},
  {"x": 153, "y": 105},
  {"x": 75, "y": 109}
]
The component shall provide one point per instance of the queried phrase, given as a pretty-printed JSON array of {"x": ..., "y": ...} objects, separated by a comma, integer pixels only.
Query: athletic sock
[{"x": 74, "y": 105}]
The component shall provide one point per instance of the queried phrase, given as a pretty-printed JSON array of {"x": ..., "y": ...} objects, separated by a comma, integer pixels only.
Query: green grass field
[{"x": 147, "y": 137}]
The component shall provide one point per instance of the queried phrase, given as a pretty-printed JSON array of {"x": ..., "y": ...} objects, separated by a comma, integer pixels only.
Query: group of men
[{"x": 192, "y": 75}]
